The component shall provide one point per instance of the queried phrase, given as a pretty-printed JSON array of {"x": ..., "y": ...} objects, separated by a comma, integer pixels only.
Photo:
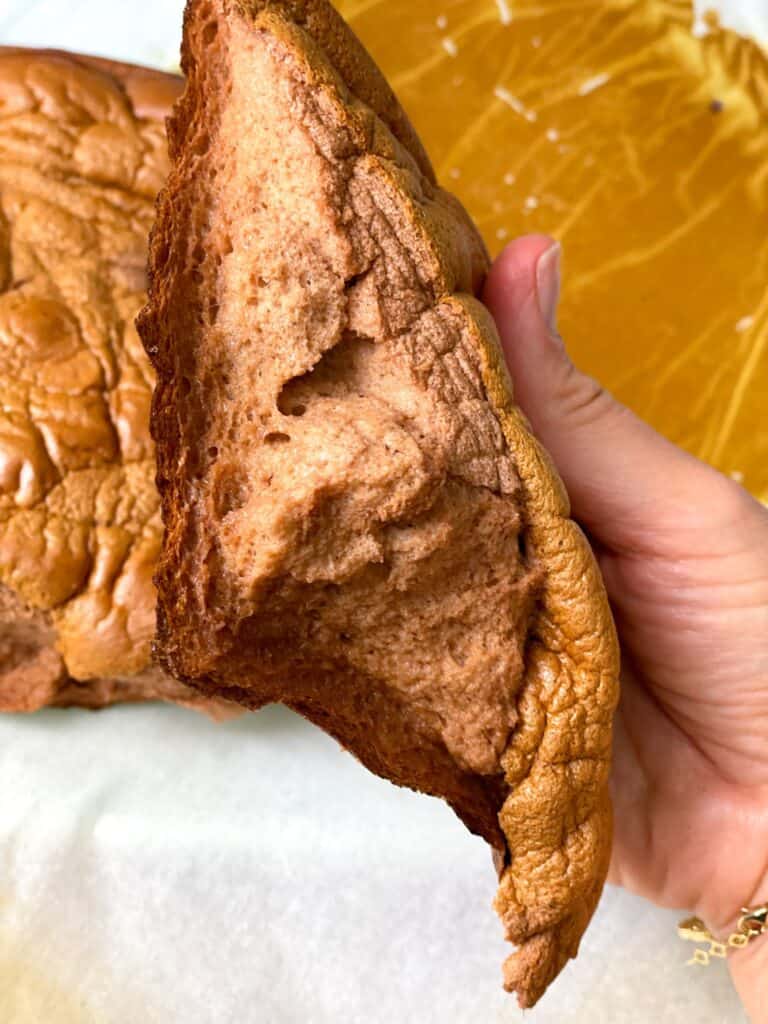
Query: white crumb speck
[
  {"x": 738, "y": 476},
  {"x": 531, "y": 203},
  {"x": 502, "y": 233},
  {"x": 536, "y": 42},
  {"x": 510, "y": 178},
  {"x": 441, "y": 21},
  {"x": 553, "y": 135},
  {"x": 596, "y": 82},
  {"x": 744, "y": 324},
  {"x": 514, "y": 103},
  {"x": 454, "y": 173},
  {"x": 450, "y": 47},
  {"x": 505, "y": 14}
]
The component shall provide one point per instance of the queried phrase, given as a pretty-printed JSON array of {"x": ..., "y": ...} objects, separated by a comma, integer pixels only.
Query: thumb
[{"x": 628, "y": 485}]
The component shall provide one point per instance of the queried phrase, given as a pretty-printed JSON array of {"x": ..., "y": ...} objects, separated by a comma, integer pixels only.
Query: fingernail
[{"x": 548, "y": 283}]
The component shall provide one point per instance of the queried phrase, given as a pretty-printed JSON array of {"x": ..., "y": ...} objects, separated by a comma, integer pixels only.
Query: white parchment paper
[{"x": 155, "y": 867}]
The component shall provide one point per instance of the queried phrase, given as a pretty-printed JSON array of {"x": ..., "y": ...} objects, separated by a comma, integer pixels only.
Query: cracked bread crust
[
  {"x": 82, "y": 156},
  {"x": 358, "y": 521}
]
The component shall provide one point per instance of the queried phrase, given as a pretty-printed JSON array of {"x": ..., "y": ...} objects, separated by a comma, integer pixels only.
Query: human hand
[{"x": 684, "y": 553}]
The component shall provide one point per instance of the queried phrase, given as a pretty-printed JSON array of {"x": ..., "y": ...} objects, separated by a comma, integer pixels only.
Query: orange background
[{"x": 645, "y": 150}]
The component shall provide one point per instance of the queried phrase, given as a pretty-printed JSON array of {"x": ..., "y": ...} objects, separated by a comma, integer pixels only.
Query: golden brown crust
[
  {"x": 152, "y": 93},
  {"x": 82, "y": 155},
  {"x": 356, "y": 576},
  {"x": 557, "y": 817}
]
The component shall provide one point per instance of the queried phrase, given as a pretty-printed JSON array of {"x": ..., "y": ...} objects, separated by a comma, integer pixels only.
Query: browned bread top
[
  {"x": 82, "y": 156},
  {"x": 358, "y": 522}
]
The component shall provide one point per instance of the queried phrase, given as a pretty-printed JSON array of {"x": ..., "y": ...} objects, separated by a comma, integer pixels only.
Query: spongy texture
[
  {"x": 358, "y": 522},
  {"x": 82, "y": 156}
]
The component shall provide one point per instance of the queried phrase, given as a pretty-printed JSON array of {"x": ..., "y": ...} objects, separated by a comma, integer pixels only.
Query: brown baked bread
[
  {"x": 82, "y": 156},
  {"x": 358, "y": 522}
]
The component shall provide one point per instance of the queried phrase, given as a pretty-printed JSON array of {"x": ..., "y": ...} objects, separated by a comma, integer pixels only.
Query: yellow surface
[{"x": 600, "y": 122}]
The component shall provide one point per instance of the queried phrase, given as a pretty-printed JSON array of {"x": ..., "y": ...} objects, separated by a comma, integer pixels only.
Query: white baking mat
[{"x": 157, "y": 868}]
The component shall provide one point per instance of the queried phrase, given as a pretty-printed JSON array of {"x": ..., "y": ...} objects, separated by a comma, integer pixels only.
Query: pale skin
[{"x": 684, "y": 553}]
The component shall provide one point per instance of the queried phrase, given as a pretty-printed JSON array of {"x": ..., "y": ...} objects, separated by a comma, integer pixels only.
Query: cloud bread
[
  {"x": 82, "y": 156},
  {"x": 358, "y": 521}
]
